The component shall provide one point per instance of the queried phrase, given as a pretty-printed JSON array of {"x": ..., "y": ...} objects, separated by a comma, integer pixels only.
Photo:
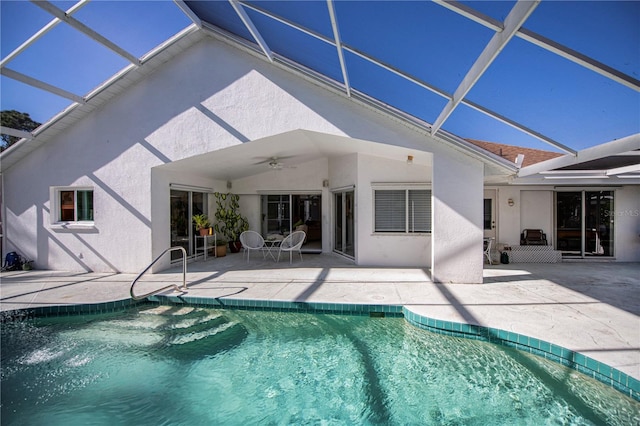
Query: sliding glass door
[
  {"x": 285, "y": 213},
  {"x": 184, "y": 205},
  {"x": 343, "y": 232},
  {"x": 585, "y": 223}
]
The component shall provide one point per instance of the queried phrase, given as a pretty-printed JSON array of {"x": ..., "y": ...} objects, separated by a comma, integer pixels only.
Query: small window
[
  {"x": 74, "y": 205},
  {"x": 402, "y": 210}
]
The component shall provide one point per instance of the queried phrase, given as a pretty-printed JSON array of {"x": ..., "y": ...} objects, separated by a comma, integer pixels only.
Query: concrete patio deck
[{"x": 588, "y": 307}]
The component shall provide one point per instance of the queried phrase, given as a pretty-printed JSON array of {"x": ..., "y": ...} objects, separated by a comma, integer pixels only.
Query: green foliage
[
  {"x": 229, "y": 222},
  {"x": 18, "y": 121},
  {"x": 201, "y": 221}
]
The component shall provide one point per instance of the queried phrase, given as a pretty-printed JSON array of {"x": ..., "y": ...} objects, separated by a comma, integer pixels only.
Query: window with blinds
[{"x": 402, "y": 210}]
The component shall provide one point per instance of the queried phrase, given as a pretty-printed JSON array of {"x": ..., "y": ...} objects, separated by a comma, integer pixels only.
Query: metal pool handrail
[{"x": 175, "y": 286}]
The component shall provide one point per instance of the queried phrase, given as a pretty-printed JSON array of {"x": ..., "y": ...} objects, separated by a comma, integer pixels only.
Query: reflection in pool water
[{"x": 186, "y": 366}]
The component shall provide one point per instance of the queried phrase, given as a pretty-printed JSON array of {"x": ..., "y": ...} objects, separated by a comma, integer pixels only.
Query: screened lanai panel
[
  {"x": 392, "y": 89},
  {"x": 26, "y": 20},
  {"x": 97, "y": 61},
  {"x": 23, "y": 96},
  {"x": 221, "y": 14},
  {"x": 595, "y": 30},
  {"x": 416, "y": 37},
  {"x": 313, "y": 15},
  {"x": 534, "y": 87},
  {"x": 467, "y": 122},
  {"x": 298, "y": 46},
  {"x": 135, "y": 26}
]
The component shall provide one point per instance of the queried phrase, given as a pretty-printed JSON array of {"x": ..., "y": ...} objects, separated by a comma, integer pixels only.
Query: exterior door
[
  {"x": 585, "y": 223},
  {"x": 284, "y": 213},
  {"x": 276, "y": 213},
  {"x": 183, "y": 206},
  {"x": 344, "y": 224},
  {"x": 489, "y": 218}
]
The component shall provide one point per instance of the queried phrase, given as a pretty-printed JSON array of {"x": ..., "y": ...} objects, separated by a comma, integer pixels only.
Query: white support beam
[
  {"x": 474, "y": 15},
  {"x": 15, "y": 132},
  {"x": 60, "y": 14},
  {"x": 512, "y": 24},
  {"x": 520, "y": 127},
  {"x": 397, "y": 72},
  {"x": 634, "y": 168},
  {"x": 336, "y": 35},
  {"x": 545, "y": 43},
  {"x": 51, "y": 25},
  {"x": 252, "y": 28},
  {"x": 580, "y": 59},
  {"x": 7, "y": 72},
  {"x": 286, "y": 22}
]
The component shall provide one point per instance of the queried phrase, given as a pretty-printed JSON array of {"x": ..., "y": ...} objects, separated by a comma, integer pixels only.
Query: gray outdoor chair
[
  {"x": 251, "y": 240},
  {"x": 292, "y": 242}
]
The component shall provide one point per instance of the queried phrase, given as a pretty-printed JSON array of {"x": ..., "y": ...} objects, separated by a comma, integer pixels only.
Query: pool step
[{"x": 195, "y": 333}]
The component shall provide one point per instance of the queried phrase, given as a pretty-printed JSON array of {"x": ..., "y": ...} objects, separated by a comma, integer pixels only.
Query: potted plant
[
  {"x": 229, "y": 222},
  {"x": 202, "y": 223},
  {"x": 221, "y": 247}
]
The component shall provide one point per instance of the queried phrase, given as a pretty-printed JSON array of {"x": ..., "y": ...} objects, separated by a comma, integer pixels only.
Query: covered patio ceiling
[{"x": 285, "y": 153}]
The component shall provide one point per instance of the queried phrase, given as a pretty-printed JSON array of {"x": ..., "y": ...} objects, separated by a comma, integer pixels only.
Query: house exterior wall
[
  {"x": 534, "y": 208},
  {"x": 536, "y": 211},
  {"x": 456, "y": 244},
  {"x": 387, "y": 249},
  {"x": 210, "y": 97},
  {"x": 627, "y": 224}
]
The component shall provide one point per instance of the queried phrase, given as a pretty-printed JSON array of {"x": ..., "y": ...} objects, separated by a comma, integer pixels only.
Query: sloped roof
[{"x": 511, "y": 152}]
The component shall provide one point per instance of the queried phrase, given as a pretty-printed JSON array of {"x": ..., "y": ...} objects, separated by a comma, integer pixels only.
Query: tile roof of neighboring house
[{"x": 510, "y": 152}]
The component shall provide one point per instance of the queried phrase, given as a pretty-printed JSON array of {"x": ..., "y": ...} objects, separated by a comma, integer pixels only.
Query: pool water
[{"x": 186, "y": 366}]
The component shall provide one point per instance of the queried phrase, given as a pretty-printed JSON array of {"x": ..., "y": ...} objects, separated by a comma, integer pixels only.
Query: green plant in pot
[
  {"x": 229, "y": 222},
  {"x": 221, "y": 247},
  {"x": 202, "y": 223}
]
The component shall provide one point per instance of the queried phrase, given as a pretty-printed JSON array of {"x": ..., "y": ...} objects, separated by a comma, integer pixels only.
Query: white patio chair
[
  {"x": 487, "y": 249},
  {"x": 251, "y": 240},
  {"x": 292, "y": 242}
]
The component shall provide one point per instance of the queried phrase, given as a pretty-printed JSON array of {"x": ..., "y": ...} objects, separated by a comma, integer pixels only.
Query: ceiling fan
[{"x": 275, "y": 164}]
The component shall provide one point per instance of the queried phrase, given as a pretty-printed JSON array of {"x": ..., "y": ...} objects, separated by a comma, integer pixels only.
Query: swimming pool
[{"x": 186, "y": 366}]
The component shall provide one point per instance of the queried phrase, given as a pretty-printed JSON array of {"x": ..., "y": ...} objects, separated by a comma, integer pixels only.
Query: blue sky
[{"x": 556, "y": 97}]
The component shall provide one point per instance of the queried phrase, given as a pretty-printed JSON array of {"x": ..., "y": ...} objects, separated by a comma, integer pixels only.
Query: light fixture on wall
[
  {"x": 409, "y": 159},
  {"x": 229, "y": 184},
  {"x": 510, "y": 202}
]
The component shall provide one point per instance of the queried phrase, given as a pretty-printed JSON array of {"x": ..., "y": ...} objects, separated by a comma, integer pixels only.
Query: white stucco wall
[
  {"x": 457, "y": 217},
  {"x": 627, "y": 224},
  {"x": 536, "y": 211},
  {"x": 388, "y": 249},
  {"x": 208, "y": 98}
]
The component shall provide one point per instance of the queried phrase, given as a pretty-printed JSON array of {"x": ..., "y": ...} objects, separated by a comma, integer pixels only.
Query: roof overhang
[{"x": 612, "y": 163}]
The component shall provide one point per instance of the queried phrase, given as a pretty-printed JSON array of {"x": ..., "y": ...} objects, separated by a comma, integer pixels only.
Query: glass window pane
[
  {"x": 85, "y": 205},
  {"x": 599, "y": 226},
  {"x": 487, "y": 213},
  {"x": 67, "y": 206}
]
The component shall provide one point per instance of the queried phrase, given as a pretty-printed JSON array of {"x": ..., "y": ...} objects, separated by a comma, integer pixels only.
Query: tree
[{"x": 15, "y": 120}]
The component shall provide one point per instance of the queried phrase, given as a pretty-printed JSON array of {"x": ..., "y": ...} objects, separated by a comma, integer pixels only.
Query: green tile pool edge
[
  {"x": 620, "y": 381},
  {"x": 575, "y": 360}
]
